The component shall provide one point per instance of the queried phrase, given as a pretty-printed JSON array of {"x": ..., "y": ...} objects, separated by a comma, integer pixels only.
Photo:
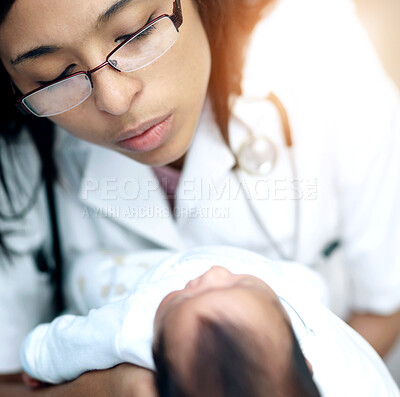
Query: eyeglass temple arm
[
  {"x": 176, "y": 16},
  {"x": 18, "y": 103}
]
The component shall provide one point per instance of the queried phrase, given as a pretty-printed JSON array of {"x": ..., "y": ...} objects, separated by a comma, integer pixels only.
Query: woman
[{"x": 149, "y": 108}]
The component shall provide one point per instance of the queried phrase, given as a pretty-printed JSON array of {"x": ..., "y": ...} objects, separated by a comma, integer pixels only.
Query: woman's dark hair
[
  {"x": 228, "y": 24},
  {"x": 228, "y": 362},
  {"x": 40, "y": 131}
]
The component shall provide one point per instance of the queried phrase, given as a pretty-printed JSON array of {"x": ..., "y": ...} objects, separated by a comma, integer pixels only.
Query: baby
[{"x": 215, "y": 321}]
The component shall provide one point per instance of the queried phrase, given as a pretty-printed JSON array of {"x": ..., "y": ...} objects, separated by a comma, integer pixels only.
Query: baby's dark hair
[{"x": 228, "y": 361}]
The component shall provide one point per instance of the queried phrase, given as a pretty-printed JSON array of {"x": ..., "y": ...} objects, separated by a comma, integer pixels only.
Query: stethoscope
[{"x": 258, "y": 155}]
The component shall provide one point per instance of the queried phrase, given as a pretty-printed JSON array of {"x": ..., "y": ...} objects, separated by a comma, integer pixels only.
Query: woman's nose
[{"x": 115, "y": 91}]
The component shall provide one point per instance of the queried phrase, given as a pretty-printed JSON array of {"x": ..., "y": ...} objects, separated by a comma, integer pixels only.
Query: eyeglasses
[{"x": 136, "y": 52}]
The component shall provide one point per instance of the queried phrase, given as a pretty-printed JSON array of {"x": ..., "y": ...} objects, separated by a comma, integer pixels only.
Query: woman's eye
[
  {"x": 122, "y": 38},
  {"x": 140, "y": 35},
  {"x": 65, "y": 73}
]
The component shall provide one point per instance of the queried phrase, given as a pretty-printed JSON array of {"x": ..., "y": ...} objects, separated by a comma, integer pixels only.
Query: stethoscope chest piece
[{"x": 257, "y": 155}]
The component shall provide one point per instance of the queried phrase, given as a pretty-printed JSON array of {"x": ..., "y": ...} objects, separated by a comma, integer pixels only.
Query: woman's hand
[{"x": 127, "y": 380}]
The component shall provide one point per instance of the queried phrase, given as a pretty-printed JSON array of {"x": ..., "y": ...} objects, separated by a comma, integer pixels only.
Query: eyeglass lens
[{"x": 140, "y": 51}]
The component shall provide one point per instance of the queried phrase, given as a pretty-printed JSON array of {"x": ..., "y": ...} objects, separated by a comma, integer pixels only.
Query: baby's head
[{"x": 227, "y": 335}]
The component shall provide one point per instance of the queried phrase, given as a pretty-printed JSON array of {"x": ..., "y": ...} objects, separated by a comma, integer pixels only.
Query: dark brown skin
[
  {"x": 380, "y": 331},
  {"x": 124, "y": 380}
]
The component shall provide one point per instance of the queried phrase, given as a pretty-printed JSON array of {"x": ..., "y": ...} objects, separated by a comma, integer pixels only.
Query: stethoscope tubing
[{"x": 288, "y": 139}]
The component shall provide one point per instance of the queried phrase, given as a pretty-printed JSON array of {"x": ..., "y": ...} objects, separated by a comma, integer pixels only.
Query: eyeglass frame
[{"x": 177, "y": 20}]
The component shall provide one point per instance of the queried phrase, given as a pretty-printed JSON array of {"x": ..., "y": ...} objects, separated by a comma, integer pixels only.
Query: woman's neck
[{"x": 178, "y": 164}]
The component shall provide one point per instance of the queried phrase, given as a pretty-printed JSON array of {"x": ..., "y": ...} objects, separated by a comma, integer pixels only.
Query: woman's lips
[{"x": 147, "y": 137}]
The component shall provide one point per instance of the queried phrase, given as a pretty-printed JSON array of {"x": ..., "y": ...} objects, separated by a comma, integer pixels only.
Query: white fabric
[
  {"x": 24, "y": 292},
  {"x": 122, "y": 331},
  {"x": 345, "y": 118}
]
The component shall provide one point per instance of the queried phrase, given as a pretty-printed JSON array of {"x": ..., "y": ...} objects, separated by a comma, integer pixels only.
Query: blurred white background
[{"x": 381, "y": 19}]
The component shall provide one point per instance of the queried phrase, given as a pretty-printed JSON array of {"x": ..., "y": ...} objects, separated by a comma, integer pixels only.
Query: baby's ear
[{"x": 309, "y": 367}]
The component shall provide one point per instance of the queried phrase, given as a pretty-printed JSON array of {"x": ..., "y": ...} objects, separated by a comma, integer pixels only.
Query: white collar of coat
[{"x": 121, "y": 187}]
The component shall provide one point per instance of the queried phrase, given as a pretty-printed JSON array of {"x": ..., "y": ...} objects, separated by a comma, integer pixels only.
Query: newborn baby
[{"x": 215, "y": 321}]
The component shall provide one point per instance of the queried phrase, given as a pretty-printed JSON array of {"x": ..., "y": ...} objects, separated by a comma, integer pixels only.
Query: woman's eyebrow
[
  {"x": 114, "y": 9},
  {"x": 34, "y": 53},
  {"x": 50, "y": 49}
]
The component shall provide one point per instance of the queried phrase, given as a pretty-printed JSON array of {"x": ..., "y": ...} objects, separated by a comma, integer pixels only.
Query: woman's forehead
[
  {"x": 28, "y": 11},
  {"x": 52, "y": 22}
]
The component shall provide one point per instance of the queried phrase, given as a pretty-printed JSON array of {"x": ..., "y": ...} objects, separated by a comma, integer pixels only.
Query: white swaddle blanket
[{"x": 344, "y": 364}]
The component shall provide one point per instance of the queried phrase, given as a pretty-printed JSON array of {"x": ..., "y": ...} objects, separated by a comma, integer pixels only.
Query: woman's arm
[
  {"x": 380, "y": 331},
  {"x": 123, "y": 381},
  {"x": 368, "y": 189},
  {"x": 88, "y": 384}
]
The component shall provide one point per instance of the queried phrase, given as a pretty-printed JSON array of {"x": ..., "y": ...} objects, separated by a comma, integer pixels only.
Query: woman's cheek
[{"x": 83, "y": 122}]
